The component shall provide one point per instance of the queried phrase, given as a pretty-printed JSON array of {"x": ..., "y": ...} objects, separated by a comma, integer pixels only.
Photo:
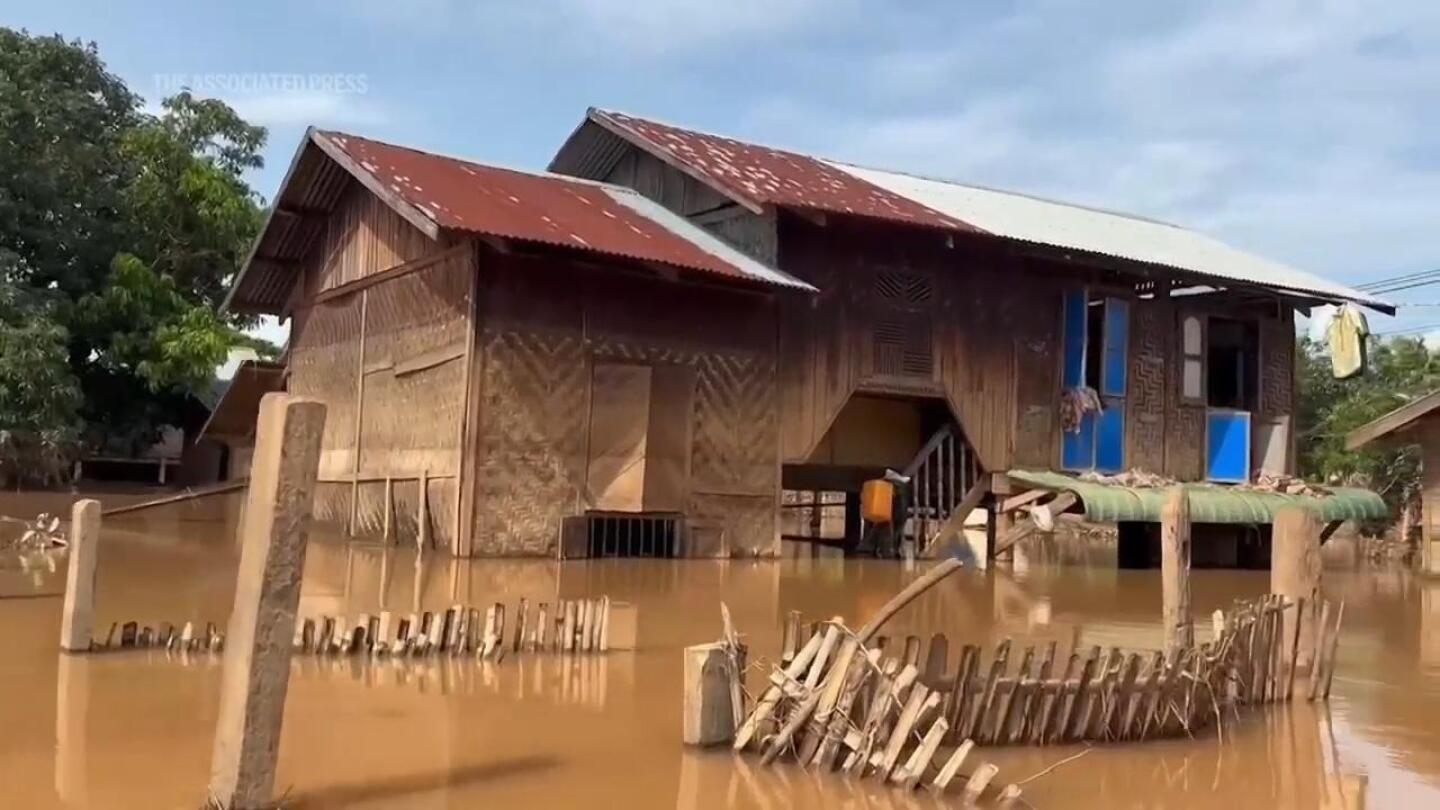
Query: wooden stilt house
[{"x": 674, "y": 339}]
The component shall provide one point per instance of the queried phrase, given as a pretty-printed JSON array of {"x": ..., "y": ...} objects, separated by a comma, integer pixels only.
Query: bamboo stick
[
  {"x": 1332, "y": 650},
  {"x": 952, "y": 766},
  {"x": 919, "y": 696},
  {"x": 979, "y": 781},
  {"x": 1004, "y": 717},
  {"x": 987, "y": 695},
  {"x": 765, "y": 707},
  {"x": 1052, "y": 719},
  {"x": 1031, "y": 729},
  {"x": 909, "y": 776},
  {"x": 542, "y": 623},
  {"x": 1317, "y": 667},
  {"x": 961, "y": 692}
]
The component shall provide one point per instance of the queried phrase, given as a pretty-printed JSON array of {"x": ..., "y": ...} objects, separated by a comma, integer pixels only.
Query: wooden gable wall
[{"x": 388, "y": 362}]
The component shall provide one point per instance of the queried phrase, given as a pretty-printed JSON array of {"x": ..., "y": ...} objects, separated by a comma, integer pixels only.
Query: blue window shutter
[
  {"x": 1110, "y": 438},
  {"x": 1074, "y": 339},
  {"x": 1115, "y": 370},
  {"x": 1077, "y": 449},
  {"x": 1227, "y": 446}
]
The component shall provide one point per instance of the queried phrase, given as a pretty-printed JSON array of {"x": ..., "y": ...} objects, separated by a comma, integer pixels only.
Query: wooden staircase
[{"x": 946, "y": 484}]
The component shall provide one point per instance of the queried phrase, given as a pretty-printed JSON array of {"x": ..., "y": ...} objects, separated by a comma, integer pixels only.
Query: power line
[
  {"x": 1386, "y": 282},
  {"x": 1410, "y": 286},
  {"x": 1425, "y": 328}
]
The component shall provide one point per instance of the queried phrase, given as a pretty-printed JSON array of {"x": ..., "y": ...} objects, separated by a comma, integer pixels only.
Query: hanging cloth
[{"x": 1348, "y": 330}]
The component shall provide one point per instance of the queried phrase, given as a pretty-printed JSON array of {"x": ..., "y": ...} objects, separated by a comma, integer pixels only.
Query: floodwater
[{"x": 134, "y": 728}]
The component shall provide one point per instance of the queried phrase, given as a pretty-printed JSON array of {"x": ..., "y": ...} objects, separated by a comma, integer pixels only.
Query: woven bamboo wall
[
  {"x": 388, "y": 361},
  {"x": 543, "y": 325}
]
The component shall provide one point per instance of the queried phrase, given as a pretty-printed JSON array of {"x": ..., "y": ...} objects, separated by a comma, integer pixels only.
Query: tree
[
  {"x": 126, "y": 229},
  {"x": 1400, "y": 369},
  {"x": 39, "y": 398}
]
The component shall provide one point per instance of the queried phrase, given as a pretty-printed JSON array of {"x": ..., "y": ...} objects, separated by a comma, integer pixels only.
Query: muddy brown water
[{"x": 134, "y": 729}]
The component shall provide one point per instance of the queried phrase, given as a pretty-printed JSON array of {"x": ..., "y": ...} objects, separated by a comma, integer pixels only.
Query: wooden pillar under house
[{"x": 1175, "y": 570}]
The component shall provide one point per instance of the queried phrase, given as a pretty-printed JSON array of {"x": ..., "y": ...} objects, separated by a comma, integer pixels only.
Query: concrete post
[
  {"x": 77, "y": 623},
  {"x": 1295, "y": 573},
  {"x": 1175, "y": 569},
  {"x": 267, "y": 593}
]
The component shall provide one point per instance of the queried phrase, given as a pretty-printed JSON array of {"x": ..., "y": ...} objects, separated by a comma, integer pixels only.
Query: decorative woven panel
[
  {"x": 746, "y": 524},
  {"x": 532, "y": 444},
  {"x": 1145, "y": 419},
  {"x": 1277, "y": 367},
  {"x": 736, "y": 444},
  {"x": 1185, "y": 443}
]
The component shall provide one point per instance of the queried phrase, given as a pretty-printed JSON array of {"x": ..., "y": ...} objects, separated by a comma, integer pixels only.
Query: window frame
[{"x": 1200, "y": 357}]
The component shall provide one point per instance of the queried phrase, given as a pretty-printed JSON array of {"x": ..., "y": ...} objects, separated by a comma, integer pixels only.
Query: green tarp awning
[{"x": 1209, "y": 503}]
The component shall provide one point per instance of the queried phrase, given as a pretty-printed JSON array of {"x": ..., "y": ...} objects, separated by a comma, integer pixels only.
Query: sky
[{"x": 1307, "y": 132}]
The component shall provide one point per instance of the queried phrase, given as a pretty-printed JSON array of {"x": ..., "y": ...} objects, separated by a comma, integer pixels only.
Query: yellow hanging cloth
[{"x": 1347, "y": 333}]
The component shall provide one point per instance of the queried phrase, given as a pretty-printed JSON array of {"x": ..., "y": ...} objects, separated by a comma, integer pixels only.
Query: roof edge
[{"x": 1394, "y": 420}]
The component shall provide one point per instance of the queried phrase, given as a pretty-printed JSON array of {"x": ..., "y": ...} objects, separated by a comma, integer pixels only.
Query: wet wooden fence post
[
  {"x": 78, "y": 619},
  {"x": 1295, "y": 567},
  {"x": 256, "y": 669},
  {"x": 709, "y": 708},
  {"x": 1175, "y": 569}
]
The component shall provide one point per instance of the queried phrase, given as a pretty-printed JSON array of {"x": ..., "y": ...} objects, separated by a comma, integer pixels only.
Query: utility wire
[
  {"x": 1386, "y": 282},
  {"x": 1409, "y": 286}
]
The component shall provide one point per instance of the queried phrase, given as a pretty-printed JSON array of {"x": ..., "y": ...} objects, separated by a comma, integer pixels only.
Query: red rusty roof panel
[
  {"x": 464, "y": 196},
  {"x": 761, "y": 175}
]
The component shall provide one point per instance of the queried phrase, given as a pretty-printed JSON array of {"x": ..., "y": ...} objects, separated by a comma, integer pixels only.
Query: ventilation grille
[
  {"x": 904, "y": 345},
  {"x": 632, "y": 535},
  {"x": 903, "y": 288}
]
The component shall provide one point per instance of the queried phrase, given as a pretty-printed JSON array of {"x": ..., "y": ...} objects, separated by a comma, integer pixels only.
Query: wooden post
[
  {"x": 77, "y": 623},
  {"x": 709, "y": 712},
  {"x": 267, "y": 592},
  {"x": 389, "y": 525},
  {"x": 359, "y": 417},
  {"x": 1295, "y": 574},
  {"x": 1175, "y": 569},
  {"x": 622, "y": 626},
  {"x": 422, "y": 536}
]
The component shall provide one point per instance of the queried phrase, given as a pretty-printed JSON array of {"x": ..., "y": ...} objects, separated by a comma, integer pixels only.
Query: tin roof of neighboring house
[
  {"x": 1397, "y": 426},
  {"x": 439, "y": 194},
  {"x": 239, "y": 405},
  {"x": 757, "y": 176}
]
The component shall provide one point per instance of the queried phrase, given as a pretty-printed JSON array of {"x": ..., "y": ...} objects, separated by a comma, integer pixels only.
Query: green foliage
[
  {"x": 39, "y": 395},
  {"x": 192, "y": 215},
  {"x": 124, "y": 229},
  {"x": 1400, "y": 370}
]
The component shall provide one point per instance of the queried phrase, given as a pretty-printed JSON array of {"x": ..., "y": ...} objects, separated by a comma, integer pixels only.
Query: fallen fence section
[
  {"x": 836, "y": 703},
  {"x": 574, "y": 626}
]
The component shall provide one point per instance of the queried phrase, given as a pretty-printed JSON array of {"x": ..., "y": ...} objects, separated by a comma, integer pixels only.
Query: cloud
[
  {"x": 644, "y": 29},
  {"x": 307, "y": 107},
  {"x": 1299, "y": 130}
]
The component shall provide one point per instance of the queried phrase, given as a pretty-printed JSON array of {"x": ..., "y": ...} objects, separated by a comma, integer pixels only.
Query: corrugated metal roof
[
  {"x": 438, "y": 193},
  {"x": 464, "y": 196},
  {"x": 759, "y": 175},
  {"x": 1033, "y": 219},
  {"x": 1209, "y": 503}
]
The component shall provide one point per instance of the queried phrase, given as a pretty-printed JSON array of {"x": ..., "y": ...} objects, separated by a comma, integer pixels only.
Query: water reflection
[{"x": 134, "y": 728}]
